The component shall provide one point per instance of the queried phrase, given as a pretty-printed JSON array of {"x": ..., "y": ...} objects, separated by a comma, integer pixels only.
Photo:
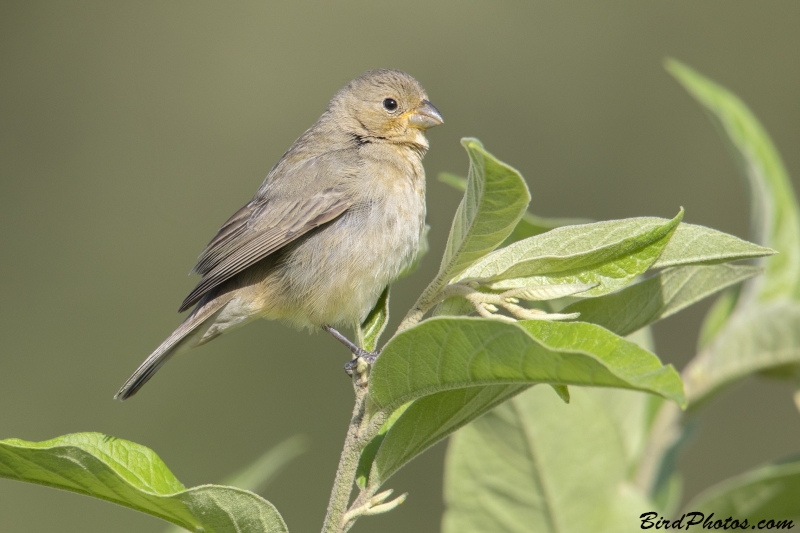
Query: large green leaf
[
  {"x": 529, "y": 225},
  {"x": 431, "y": 418},
  {"x": 536, "y": 464},
  {"x": 446, "y": 353},
  {"x": 756, "y": 339},
  {"x": 658, "y": 297},
  {"x": 132, "y": 475},
  {"x": 609, "y": 254},
  {"x": 495, "y": 199},
  {"x": 766, "y": 493},
  {"x": 776, "y": 217}
]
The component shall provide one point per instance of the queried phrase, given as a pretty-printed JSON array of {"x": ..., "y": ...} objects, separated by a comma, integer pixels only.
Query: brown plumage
[{"x": 335, "y": 221}]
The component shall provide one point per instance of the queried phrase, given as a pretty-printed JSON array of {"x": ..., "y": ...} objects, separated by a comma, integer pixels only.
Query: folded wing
[{"x": 259, "y": 229}]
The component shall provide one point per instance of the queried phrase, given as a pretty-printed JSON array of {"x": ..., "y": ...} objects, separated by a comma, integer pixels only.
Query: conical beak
[{"x": 425, "y": 116}]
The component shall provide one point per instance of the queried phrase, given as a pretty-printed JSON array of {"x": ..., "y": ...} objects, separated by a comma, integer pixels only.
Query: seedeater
[{"x": 337, "y": 219}]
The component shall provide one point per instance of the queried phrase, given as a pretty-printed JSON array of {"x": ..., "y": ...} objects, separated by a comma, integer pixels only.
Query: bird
[{"x": 338, "y": 218}]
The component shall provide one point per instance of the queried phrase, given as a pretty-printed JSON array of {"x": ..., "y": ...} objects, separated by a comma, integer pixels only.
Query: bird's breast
[{"x": 336, "y": 274}]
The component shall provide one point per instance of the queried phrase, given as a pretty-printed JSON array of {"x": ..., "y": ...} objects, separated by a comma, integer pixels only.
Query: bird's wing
[
  {"x": 227, "y": 237},
  {"x": 259, "y": 229}
]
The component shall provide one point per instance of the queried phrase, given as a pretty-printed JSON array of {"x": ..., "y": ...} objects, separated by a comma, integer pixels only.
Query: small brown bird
[{"x": 336, "y": 220}]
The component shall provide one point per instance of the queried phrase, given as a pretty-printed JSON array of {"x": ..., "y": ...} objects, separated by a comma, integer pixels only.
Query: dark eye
[{"x": 389, "y": 104}]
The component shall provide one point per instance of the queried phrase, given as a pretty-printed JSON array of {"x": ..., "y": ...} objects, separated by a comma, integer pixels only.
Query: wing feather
[
  {"x": 256, "y": 231},
  {"x": 233, "y": 228}
]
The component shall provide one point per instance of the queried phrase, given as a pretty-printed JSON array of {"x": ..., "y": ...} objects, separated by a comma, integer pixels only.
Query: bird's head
[{"x": 385, "y": 105}]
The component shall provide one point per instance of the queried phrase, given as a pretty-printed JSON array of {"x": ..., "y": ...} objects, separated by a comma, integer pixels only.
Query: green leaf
[
  {"x": 495, "y": 199},
  {"x": 776, "y": 217},
  {"x": 425, "y": 422},
  {"x": 766, "y": 493},
  {"x": 446, "y": 353},
  {"x": 692, "y": 244},
  {"x": 536, "y": 464},
  {"x": 529, "y": 225},
  {"x": 636, "y": 367},
  {"x": 658, "y": 297},
  {"x": 609, "y": 254},
  {"x": 371, "y": 330},
  {"x": 128, "y": 474},
  {"x": 756, "y": 339},
  {"x": 371, "y": 449},
  {"x": 455, "y": 306}
]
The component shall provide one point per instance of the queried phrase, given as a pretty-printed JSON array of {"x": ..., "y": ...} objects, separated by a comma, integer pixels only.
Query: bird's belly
[{"x": 336, "y": 274}]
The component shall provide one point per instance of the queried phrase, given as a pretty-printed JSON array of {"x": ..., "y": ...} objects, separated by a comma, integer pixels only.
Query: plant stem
[
  {"x": 360, "y": 432},
  {"x": 429, "y": 297}
]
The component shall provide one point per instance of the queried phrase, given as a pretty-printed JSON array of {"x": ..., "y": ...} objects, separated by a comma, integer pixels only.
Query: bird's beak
[{"x": 425, "y": 116}]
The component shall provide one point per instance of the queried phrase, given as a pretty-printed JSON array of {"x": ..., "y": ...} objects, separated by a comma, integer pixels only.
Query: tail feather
[{"x": 188, "y": 335}]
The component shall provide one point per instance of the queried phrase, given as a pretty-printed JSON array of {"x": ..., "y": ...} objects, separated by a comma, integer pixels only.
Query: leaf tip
[
  {"x": 680, "y": 70},
  {"x": 469, "y": 142},
  {"x": 673, "y": 66},
  {"x": 676, "y": 221},
  {"x": 562, "y": 391},
  {"x": 679, "y": 397}
]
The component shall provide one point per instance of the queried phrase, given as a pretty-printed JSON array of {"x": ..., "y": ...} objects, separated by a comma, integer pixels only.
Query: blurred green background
[{"x": 129, "y": 131}]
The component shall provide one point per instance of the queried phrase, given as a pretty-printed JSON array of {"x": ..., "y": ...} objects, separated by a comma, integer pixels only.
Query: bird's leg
[{"x": 358, "y": 353}]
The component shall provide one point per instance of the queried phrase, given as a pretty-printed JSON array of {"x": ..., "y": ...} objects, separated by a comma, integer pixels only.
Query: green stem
[
  {"x": 412, "y": 318},
  {"x": 434, "y": 293},
  {"x": 360, "y": 432}
]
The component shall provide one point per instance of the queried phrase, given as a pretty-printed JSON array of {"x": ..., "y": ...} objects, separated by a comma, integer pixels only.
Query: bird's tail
[{"x": 192, "y": 332}]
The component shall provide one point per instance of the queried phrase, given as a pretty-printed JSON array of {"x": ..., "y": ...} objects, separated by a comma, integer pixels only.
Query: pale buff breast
[{"x": 336, "y": 274}]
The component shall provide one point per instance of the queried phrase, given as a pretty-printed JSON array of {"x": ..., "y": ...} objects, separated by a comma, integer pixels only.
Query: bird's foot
[{"x": 361, "y": 360}]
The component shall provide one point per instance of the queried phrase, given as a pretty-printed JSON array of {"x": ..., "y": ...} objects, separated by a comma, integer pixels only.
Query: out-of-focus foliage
[{"x": 758, "y": 333}]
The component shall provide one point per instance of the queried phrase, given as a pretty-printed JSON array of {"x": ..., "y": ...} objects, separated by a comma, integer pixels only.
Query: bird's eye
[{"x": 390, "y": 104}]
